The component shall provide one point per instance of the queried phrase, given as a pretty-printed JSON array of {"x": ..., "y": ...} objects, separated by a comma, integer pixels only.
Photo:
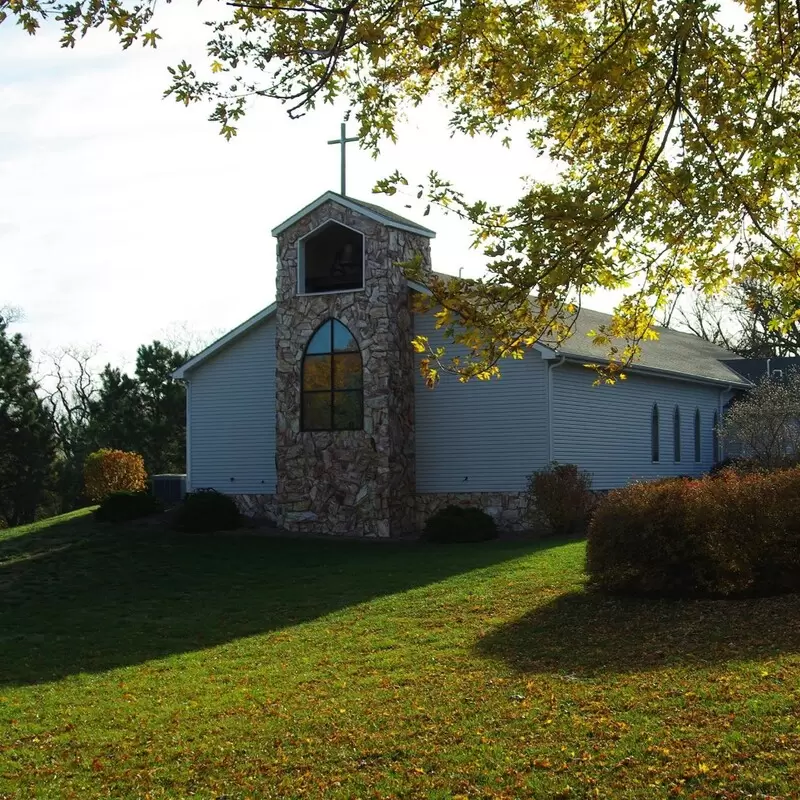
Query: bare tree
[
  {"x": 11, "y": 314},
  {"x": 740, "y": 320},
  {"x": 180, "y": 337},
  {"x": 765, "y": 425},
  {"x": 68, "y": 387}
]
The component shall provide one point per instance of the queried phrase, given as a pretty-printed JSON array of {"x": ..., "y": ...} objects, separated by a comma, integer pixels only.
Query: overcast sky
[{"x": 122, "y": 213}]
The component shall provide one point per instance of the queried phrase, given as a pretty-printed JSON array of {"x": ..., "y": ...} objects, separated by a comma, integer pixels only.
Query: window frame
[
  {"x": 655, "y": 434},
  {"x": 331, "y": 391},
  {"x": 301, "y": 258},
  {"x": 676, "y": 435}
]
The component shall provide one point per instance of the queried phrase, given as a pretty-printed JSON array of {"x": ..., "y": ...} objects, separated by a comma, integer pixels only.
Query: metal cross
[{"x": 343, "y": 140}]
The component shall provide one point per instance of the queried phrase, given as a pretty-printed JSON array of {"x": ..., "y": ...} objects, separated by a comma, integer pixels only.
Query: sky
[{"x": 124, "y": 215}]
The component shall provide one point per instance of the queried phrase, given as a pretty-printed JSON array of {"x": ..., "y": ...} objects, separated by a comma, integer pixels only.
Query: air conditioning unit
[{"x": 169, "y": 489}]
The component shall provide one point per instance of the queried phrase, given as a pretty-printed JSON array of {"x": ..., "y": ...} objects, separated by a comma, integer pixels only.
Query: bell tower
[{"x": 345, "y": 451}]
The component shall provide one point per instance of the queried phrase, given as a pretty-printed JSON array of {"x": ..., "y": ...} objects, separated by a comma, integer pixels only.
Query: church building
[{"x": 314, "y": 414}]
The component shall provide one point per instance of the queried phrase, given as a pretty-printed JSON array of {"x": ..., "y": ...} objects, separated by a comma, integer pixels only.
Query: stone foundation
[
  {"x": 257, "y": 505},
  {"x": 508, "y": 509}
]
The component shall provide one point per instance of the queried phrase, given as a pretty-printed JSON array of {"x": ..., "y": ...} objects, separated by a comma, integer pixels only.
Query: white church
[{"x": 313, "y": 412}]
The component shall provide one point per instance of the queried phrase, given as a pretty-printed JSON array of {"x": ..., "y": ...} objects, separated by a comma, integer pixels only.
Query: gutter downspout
[{"x": 550, "y": 368}]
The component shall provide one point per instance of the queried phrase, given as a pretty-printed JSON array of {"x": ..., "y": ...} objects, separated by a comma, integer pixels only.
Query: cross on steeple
[{"x": 342, "y": 141}]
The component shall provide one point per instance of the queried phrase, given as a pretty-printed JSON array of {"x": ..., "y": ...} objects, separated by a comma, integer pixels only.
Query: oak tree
[{"x": 672, "y": 125}]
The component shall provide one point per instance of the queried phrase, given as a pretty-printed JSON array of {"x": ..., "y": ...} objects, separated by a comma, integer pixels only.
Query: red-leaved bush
[
  {"x": 734, "y": 534},
  {"x": 106, "y": 471},
  {"x": 562, "y": 493}
]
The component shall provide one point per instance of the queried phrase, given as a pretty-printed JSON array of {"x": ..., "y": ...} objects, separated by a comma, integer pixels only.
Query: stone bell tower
[{"x": 345, "y": 425}]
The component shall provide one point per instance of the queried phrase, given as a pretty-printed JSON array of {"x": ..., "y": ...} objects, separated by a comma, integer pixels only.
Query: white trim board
[
  {"x": 230, "y": 336},
  {"x": 353, "y": 205}
]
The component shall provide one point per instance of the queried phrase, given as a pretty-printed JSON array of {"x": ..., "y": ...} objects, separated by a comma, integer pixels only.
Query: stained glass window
[{"x": 333, "y": 375}]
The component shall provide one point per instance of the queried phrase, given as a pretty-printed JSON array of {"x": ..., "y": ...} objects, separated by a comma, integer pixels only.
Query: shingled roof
[
  {"x": 383, "y": 215},
  {"x": 674, "y": 353}
]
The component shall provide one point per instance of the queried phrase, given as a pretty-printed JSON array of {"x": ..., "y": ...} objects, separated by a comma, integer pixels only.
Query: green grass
[{"x": 136, "y": 663}]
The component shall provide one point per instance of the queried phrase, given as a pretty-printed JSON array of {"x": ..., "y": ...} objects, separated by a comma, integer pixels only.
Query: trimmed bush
[
  {"x": 106, "y": 471},
  {"x": 126, "y": 506},
  {"x": 460, "y": 524},
  {"x": 563, "y": 494},
  {"x": 743, "y": 466},
  {"x": 205, "y": 511},
  {"x": 735, "y": 534}
]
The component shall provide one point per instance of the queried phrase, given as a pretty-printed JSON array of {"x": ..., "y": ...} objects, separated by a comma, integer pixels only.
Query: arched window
[
  {"x": 333, "y": 377},
  {"x": 676, "y": 434},
  {"x": 697, "y": 449},
  {"x": 654, "y": 438},
  {"x": 715, "y": 437}
]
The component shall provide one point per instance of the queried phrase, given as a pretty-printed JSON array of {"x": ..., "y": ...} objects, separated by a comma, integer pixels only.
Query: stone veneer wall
[
  {"x": 257, "y": 505},
  {"x": 507, "y": 508},
  {"x": 349, "y": 482}
]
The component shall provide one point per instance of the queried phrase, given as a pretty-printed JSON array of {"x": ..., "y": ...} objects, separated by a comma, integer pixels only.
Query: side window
[
  {"x": 655, "y": 452},
  {"x": 332, "y": 381},
  {"x": 676, "y": 434},
  {"x": 697, "y": 448}
]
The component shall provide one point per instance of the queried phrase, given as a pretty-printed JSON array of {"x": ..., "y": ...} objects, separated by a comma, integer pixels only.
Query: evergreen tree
[
  {"x": 145, "y": 413},
  {"x": 26, "y": 435}
]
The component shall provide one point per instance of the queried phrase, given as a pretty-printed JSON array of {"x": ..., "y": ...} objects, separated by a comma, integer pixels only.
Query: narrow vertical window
[
  {"x": 332, "y": 381},
  {"x": 715, "y": 437},
  {"x": 654, "y": 437},
  {"x": 697, "y": 449},
  {"x": 676, "y": 434}
]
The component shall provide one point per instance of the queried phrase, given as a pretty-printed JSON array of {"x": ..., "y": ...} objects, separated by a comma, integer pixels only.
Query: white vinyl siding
[
  {"x": 480, "y": 436},
  {"x": 607, "y": 429},
  {"x": 232, "y": 416}
]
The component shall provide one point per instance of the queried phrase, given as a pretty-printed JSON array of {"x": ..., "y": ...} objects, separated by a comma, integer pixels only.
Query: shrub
[
  {"x": 563, "y": 494},
  {"x": 125, "y": 506},
  {"x": 205, "y": 511},
  {"x": 740, "y": 465},
  {"x": 765, "y": 423},
  {"x": 736, "y": 534},
  {"x": 460, "y": 524},
  {"x": 106, "y": 471}
]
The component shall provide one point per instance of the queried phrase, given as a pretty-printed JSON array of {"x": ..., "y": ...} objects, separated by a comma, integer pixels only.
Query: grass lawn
[{"x": 136, "y": 663}]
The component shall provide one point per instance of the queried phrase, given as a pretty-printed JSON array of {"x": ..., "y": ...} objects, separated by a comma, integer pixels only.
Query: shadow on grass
[
  {"x": 586, "y": 633},
  {"x": 84, "y": 597}
]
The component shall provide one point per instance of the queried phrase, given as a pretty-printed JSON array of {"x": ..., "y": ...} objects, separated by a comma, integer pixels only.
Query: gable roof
[
  {"x": 224, "y": 341},
  {"x": 757, "y": 369},
  {"x": 370, "y": 210},
  {"x": 674, "y": 354}
]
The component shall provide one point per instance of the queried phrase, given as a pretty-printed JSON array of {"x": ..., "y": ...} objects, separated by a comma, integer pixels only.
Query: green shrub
[
  {"x": 205, "y": 511},
  {"x": 563, "y": 494},
  {"x": 125, "y": 506},
  {"x": 736, "y": 534},
  {"x": 460, "y": 524}
]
